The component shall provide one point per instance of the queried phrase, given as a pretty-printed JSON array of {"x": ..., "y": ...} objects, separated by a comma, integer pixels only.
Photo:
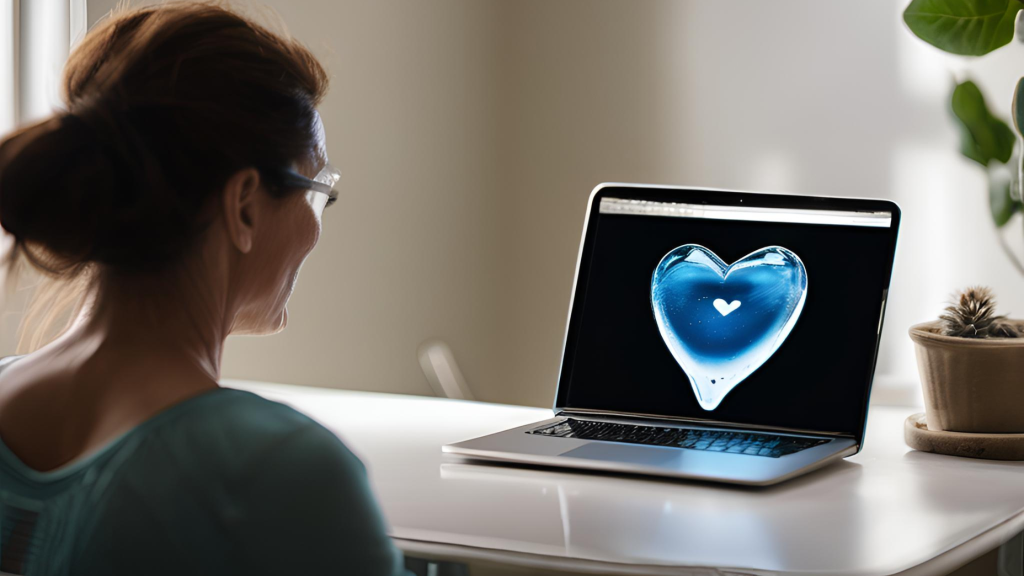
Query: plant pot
[{"x": 970, "y": 384}]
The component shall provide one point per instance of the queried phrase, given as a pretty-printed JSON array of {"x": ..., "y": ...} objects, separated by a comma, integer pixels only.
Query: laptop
[{"x": 714, "y": 335}]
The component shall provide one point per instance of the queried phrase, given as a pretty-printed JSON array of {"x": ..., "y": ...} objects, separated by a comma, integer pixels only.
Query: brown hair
[{"x": 164, "y": 103}]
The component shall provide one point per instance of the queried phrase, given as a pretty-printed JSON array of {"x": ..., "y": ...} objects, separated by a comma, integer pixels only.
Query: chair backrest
[{"x": 442, "y": 372}]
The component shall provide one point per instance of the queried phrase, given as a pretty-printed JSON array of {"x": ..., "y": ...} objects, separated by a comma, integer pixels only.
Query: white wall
[
  {"x": 470, "y": 133},
  {"x": 841, "y": 99},
  {"x": 404, "y": 254}
]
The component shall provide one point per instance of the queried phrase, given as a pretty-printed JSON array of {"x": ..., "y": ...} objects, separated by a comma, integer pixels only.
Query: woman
[{"x": 179, "y": 194}]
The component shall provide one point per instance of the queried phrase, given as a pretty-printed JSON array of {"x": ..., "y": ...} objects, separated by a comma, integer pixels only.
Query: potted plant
[
  {"x": 971, "y": 363},
  {"x": 975, "y": 28}
]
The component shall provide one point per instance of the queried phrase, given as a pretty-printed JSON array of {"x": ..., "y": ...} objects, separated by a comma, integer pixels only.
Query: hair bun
[
  {"x": 168, "y": 102},
  {"x": 56, "y": 185}
]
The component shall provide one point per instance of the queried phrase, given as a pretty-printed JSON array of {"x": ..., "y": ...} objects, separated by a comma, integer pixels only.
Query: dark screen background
[{"x": 817, "y": 380}]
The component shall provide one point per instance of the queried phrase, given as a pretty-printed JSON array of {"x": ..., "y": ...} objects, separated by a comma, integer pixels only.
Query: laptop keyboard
[{"x": 753, "y": 444}]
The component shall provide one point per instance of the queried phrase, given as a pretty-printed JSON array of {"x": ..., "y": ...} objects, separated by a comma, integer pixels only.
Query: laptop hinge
[{"x": 702, "y": 423}]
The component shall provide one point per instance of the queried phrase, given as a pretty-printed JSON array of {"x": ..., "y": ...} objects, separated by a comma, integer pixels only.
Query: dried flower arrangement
[{"x": 971, "y": 314}]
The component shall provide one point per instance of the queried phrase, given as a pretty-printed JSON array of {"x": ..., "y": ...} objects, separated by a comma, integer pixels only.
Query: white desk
[{"x": 887, "y": 510}]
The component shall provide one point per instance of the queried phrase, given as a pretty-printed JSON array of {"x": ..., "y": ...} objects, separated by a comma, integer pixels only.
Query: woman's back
[
  {"x": 225, "y": 482},
  {"x": 172, "y": 204}
]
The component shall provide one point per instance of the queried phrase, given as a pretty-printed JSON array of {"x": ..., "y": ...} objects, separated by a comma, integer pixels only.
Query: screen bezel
[{"x": 719, "y": 198}]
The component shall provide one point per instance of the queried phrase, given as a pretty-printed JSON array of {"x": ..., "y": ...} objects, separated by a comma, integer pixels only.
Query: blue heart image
[{"x": 721, "y": 323}]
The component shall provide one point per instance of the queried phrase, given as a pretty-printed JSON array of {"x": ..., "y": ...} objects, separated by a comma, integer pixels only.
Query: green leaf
[
  {"x": 1018, "y": 106},
  {"x": 983, "y": 137},
  {"x": 965, "y": 27},
  {"x": 1000, "y": 202}
]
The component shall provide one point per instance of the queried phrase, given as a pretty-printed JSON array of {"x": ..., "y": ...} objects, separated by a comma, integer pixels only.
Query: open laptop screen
[{"x": 765, "y": 314}]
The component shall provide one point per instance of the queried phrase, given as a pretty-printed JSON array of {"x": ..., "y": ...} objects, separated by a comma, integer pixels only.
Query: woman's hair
[{"x": 164, "y": 104}]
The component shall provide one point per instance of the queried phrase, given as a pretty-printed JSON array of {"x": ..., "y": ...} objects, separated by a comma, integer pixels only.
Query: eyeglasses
[{"x": 321, "y": 188}]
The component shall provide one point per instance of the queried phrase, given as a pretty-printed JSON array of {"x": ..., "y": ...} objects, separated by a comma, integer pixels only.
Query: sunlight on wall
[
  {"x": 923, "y": 71},
  {"x": 865, "y": 113},
  {"x": 46, "y": 24},
  {"x": 8, "y": 102},
  {"x": 926, "y": 181},
  {"x": 772, "y": 171}
]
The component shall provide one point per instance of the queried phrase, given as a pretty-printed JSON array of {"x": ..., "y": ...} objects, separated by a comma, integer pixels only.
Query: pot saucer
[{"x": 969, "y": 445}]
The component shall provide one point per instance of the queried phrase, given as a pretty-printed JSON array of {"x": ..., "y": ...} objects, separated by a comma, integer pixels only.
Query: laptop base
[{"x": 518, "y": 446}]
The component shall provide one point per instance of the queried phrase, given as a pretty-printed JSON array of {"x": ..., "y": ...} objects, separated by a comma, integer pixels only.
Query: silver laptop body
[{"x": 679, "y": 433}]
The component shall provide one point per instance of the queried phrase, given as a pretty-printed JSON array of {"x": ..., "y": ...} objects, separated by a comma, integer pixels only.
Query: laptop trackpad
[{"x": 627, "y": 454}]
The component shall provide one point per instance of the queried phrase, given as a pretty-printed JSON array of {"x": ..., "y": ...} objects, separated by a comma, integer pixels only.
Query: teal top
[{"x": 223, "y": 483}]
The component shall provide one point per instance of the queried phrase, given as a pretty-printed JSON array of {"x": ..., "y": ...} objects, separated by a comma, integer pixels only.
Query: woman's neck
[
  {"x": 164, "y": 319},
  {"x": 140, "y": 346}
]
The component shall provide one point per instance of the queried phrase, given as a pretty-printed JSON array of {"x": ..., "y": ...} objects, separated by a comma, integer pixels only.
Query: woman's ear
[{"x": 242, "y": 207}]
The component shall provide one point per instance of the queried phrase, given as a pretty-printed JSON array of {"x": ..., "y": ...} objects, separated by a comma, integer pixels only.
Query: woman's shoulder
[
  {"x": 285, "y": 492},
  {"x": 239, "y": 411},
  {"x": 232, "y": 431}
]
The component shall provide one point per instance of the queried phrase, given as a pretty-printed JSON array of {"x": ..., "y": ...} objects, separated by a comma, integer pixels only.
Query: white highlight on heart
[{"x": 723, "y": 308}]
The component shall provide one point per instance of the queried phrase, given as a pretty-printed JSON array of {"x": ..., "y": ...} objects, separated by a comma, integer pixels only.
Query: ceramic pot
[{"x": 970, "y": 384}]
